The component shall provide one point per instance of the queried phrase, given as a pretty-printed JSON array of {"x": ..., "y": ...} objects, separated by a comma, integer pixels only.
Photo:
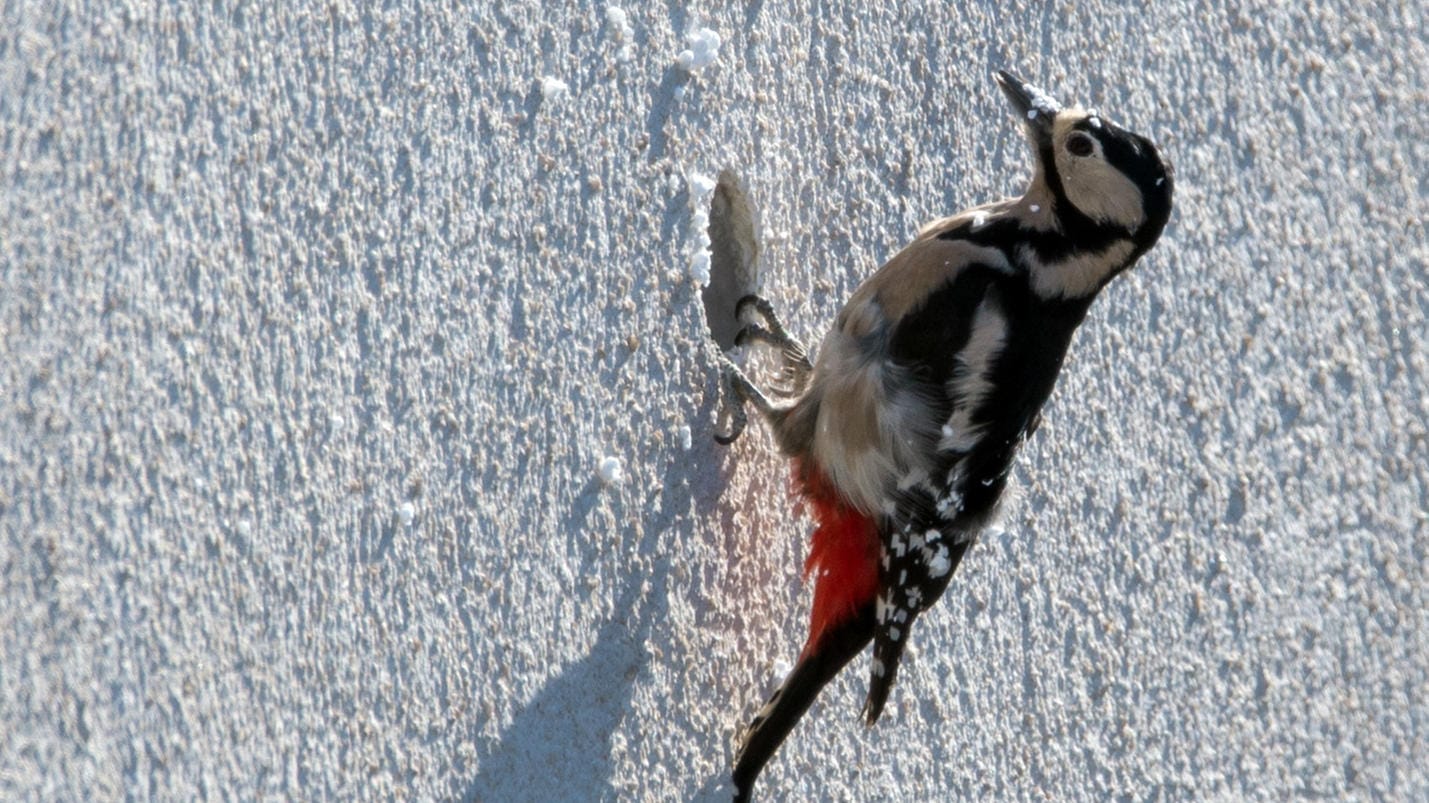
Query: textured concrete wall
[{"x": 318, "y": 326}]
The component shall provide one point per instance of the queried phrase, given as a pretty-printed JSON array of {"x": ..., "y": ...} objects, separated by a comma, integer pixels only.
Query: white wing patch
[{"x": 972, "y": 379}]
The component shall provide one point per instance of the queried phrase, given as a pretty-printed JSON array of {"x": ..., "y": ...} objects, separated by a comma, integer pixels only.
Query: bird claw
[
  {"x": 752, "y": 303},
  {"x": 734, "y": 398},
  {"x": 796, "y": 364},
  {"x": 738, "y": 390}
]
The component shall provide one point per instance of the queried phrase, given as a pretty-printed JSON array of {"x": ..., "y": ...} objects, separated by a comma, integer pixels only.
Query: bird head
[{"x": 1099, "y": 173}]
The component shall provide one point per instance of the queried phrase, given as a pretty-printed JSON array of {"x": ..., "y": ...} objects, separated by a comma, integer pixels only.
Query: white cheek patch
[
  {"x": 1103, "y": 193},
  {"x": 1096, "y": 188}
]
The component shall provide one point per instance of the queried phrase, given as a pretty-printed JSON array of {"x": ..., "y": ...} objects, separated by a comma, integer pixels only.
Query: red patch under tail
[{"x": 843, "y": 556}]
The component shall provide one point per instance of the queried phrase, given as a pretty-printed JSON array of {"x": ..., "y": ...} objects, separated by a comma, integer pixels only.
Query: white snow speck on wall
[
  {"x": 611, "y": 472},
  {"x": 553, "y": 89},
  {"x": 701, "y": 51},
  {"x": 700, "y": 267},
  {"x": 622, "y": 32},
  {"x": 701, "y": 188},
  {"x": 407, "y": 513}
]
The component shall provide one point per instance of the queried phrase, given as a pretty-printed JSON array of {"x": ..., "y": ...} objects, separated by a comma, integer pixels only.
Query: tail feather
[
  {"x": 887, "y": 655},
  {"x": 843, "y": 560},
  {"x": 818, "y": 665},
  {"x": 897, "y": 612}
]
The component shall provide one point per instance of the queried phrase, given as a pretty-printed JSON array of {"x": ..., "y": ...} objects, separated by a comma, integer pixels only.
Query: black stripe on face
[
  {"x": 1134, "y": 156},
  {"x": 1138, "y": 159}
]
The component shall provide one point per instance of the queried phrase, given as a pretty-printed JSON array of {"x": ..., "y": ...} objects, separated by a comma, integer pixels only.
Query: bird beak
[{"x": 1033, "y": 106}]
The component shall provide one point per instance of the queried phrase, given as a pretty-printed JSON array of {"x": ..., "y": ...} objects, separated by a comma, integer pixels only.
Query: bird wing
[{"x": 951, "y": 342}]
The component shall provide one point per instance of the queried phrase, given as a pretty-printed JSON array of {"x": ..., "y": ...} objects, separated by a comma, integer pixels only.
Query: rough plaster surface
[{"x": 316, "y": 325}]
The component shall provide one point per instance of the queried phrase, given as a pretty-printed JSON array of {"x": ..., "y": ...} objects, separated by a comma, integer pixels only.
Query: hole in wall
[{"x": 734, "y": 257}]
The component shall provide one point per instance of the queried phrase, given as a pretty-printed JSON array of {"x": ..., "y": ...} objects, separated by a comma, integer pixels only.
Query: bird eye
[{"x": 1080, "y": 145}]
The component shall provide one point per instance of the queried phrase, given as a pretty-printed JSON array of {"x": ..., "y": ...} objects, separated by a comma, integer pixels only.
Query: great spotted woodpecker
[{"x": 903, "y": 433}]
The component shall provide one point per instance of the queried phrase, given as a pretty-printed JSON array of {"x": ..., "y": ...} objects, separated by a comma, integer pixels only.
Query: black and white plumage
[{"x": 934, "y": 373}]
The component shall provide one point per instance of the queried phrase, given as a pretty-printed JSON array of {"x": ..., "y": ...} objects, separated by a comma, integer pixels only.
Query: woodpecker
[{"x": 902, "y": 434}]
